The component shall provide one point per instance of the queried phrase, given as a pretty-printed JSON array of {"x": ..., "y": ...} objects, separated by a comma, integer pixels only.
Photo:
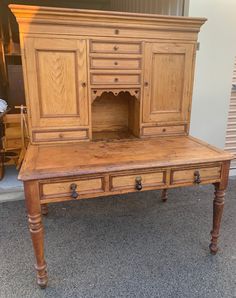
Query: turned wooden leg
[
  {"x": 36, "y": 230},
  {"x": 44, "y": 209},
  {"x": 218, "y": 206},
  {"x": 164, "y": 195}
]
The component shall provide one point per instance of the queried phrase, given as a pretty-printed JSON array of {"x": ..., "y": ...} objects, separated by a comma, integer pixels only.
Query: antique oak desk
[{"x": 109, "y": 99}]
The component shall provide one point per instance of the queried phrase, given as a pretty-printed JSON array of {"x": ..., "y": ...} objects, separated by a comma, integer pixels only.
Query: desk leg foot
[
  {"x": 42, "y": 278},
  {"x": 44, "y": 209},
  {"x": 164, "y": 195},
  {"x": 218, "y": 206},
  {"x": 36, "y": 230}
]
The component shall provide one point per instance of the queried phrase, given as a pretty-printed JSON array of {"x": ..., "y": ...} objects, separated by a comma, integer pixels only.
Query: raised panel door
[
  {"x": 167, "y": 82},
  {"x": 57, "y": 82}
]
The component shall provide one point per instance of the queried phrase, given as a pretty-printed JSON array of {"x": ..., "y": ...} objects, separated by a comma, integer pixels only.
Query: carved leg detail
[
  {"x": 218, "y": 206},
  {"x": 44, "y": 209},
  {"x": 36, "y": 230},
  {"x": 164, "y": 195}
]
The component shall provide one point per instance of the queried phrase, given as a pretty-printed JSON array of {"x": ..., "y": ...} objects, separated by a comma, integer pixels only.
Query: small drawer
[
  {"x": 148, "y": 180},
  {"x": 49, "y": 136},
  {"x": 63, "y": 188},
  {"x": 112, "y": 79},
  {"x": 115, "y": 47},
  {"x": 115, "y": 63},
  {"x": 164, "y": 130},
  {"x": 195, "y": 175}
]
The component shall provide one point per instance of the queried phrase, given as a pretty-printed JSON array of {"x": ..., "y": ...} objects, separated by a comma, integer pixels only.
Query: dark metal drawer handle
[
  {"x": 116, "y": 48},
  {"x": 138, "y": 183},
  {"x": 197, "y": 177},
  {"x": 116, "y": 79},
  {"x": 74, "y": 193}
]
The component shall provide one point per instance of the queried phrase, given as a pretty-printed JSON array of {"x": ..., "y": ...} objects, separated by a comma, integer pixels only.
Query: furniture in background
[
  {"x": 15, "y": 89},
  {"x": 109, "y": 101},
  {"x": 12, "y": 138},
  {"x": 24, "y": 134},
  {"x": 2, "y": 155}
]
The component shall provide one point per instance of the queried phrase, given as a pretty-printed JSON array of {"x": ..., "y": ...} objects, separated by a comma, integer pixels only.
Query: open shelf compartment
[{"x": 115, "y": 115}]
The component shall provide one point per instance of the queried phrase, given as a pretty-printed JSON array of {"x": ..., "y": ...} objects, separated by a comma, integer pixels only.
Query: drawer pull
[
  {"x": 74, "y": 193},
  {"x": 197, "y": 178},
  {"x": 116, "y": 48},
  {"x": 116, "y": 80},
  {"x": 138, "y": 183},
  {"x": 117, "y": 31},
  {"x": 116, "y": 63},
  {"x": 83, "y": 84},
  {"x": 146, "y": 84}
]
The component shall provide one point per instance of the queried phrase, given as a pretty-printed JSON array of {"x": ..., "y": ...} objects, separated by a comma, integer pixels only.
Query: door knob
[
  {"x": 138, "y": 183},
  {"x": 74, "y": 193},
  {"x": 197, "y": 177}
]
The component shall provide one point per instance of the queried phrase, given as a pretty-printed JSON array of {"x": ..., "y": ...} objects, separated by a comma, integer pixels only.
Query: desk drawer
[
  {"x": 115, "y": 47},
  {"x": 129, "y": 181},
  {"x": 115, "y": 63},
  {"x": 124, "y": 79},
  {"x": 62, "y": 135},
  {"x": 63, "y": 188},
  {"x": 164, "y": 130},
  {"x": 195, "y": 175}
]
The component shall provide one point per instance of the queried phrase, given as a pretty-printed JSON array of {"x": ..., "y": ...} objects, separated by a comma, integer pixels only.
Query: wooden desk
[
  {"x": 94, "y": 76},
  {"x": 85, "y": 170}
]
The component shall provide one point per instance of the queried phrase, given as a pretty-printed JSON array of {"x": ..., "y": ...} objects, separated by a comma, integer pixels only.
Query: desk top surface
[{"x": 51, "y": 161}]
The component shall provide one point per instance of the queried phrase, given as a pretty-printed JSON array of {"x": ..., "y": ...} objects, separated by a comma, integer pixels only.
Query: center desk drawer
[
  {"x": 62, "y": 188},
  {"x": 149, "y": 180},
  {"x": 196, "y": 175}
]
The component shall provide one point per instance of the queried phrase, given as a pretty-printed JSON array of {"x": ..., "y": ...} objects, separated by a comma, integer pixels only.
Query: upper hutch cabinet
[
  {"x": 167, "y": 82},
  {"x": 98, "y": 76},
  {"x": 57, "y": 86}
]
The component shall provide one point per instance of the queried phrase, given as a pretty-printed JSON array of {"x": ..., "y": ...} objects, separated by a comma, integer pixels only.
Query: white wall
[{"x": 214, "y": 68}]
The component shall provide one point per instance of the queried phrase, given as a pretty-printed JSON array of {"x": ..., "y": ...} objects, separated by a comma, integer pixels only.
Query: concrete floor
[
  {"x": 11, "y": 188},
  {"x": 123, "y": 246}
]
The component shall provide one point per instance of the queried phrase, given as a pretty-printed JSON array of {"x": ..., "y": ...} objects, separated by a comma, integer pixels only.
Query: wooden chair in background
[
  {"x": 11, "y": 141},
  {"x": 15, "y": 137}
]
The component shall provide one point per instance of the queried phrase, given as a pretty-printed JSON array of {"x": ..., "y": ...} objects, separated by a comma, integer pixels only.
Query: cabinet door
[
  {"x": 56, "y": 74},
  {"x": 167, "y": 82}
]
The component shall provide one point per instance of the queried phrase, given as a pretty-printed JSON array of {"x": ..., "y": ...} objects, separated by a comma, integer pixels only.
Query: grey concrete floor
[
  {"x": 10, "y": 187},
  {"x": 123, "y": 246}
]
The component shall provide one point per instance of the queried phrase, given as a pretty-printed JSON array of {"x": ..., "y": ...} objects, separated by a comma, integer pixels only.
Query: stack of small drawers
[{"x": 115, "y": 63}]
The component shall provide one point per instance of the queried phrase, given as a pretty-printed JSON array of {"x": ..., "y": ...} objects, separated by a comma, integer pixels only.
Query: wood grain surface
[{"x": 47, "y": 161}]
